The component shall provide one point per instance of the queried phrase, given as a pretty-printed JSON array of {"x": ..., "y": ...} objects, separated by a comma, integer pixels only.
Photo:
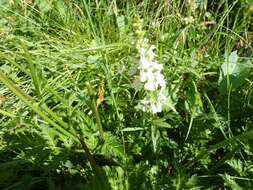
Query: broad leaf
[{"x": 233, "y": 73}]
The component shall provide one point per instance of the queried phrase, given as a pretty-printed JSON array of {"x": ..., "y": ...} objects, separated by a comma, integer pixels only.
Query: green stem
[
  {"x": 190, "y": 126},
  {"x": 95, "y": 110},
  {"x": 89, "y": 156},
  {"x": 33, "y": 71}
]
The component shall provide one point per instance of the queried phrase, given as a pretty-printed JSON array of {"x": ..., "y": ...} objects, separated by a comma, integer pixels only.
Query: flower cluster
[
  {"x": 150, "y": 70},
  {"x": 151, "y": 78}
]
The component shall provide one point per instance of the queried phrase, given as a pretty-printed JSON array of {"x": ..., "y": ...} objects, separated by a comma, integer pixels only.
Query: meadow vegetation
[{"x": 69, "y": 116}]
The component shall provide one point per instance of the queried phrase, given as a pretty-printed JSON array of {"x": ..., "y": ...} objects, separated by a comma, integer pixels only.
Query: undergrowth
[{"x": 68, "y": 117}]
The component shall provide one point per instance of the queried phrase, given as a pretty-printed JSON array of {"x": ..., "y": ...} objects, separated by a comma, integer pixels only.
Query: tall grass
[{"x": 68, "y": 117}]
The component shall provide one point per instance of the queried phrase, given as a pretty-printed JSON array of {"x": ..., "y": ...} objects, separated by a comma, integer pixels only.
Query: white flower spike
[{"x": 152, "y": 79}]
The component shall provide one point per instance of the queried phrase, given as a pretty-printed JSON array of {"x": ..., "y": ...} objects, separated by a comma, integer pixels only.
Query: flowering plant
[{"x": 150, "y": 76}]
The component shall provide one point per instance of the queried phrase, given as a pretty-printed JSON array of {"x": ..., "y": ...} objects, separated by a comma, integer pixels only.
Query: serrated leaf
[
  {"x": 50, "y": 136},
  {"x": 229, "y": 181},
  {"x": 111, "y": 146},
  {"x": 237, "y": 165}
]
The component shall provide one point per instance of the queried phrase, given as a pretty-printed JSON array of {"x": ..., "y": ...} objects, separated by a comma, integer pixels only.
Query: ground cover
[{"x": 126, "y": 94}]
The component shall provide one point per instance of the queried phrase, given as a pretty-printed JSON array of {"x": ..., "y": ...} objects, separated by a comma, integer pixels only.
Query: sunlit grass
[{"x": 68, "y": 117}]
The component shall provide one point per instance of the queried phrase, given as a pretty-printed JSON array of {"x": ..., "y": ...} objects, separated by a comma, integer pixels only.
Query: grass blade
[
  {"x": 33, "y": 71},
  {"x": 33, "y": 105}
]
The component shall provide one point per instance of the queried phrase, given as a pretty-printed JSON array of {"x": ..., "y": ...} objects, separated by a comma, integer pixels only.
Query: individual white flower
[
  {"x": 158, "y": 101},
  {"x": 159, "y": 78},
  {"x": 145, "y": 64},
  {"x": 156, "y": 107},
  {"x": 158, "y": 67},
  {"x": 146, "y": 75},
  {"x": 150, "y": 85},
  {"x": 154, "y": 81}
]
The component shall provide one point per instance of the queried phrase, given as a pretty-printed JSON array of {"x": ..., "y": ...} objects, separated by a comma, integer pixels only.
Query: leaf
[
  {"x": 129, "y": 129},
  {"x": 237, "y": 165},
  {"x": 233, "y": 74},
  {"x": 61, "y": 8},
  {"x": 28, "y": 100},
  {"x": 116, "y": 177},
  {"x": 191, "y": 183},
  {"x": 121, "y": 23},
  {"x": 111, "y": 147},
  {"x": 92, "y": 59},
  {"x": 194, "y": 103},
  {"x": 161, "y": 123},
  {"x": 44, "y": 6},
  {"x": 233, "y": 57},
  {"x": 50, "y": 135},
  {"x": 229, "y": 181},
  {"x": 204, "y": 153},
  {"x": 155, "y": 136},
  {"x": 173, "y": 97},
  {"x": 33, "y": 71}
]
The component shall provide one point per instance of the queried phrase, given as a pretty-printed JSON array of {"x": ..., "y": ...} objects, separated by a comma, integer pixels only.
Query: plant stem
[{"x": 95, "y": 110}]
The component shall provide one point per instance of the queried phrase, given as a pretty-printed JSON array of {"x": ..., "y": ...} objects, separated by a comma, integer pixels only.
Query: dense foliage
[{"x": 68, "y": 115}]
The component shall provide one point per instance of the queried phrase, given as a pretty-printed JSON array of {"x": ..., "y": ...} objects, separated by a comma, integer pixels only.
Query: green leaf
[
  {"x": 33, "y": 70},
  {"x": 44, "y": 6},
  {"x": 111, "y": 146},
  {"x": 229, "y": 181},
  {"x": 194, "y": 102},
  {"x": 233, "y": 73},
  {"x": 121, "y": 23},
  {"x": 204, "y": 153},
  {"x": 161, "y": 123},
  {"x": 129, "y": 129},
  {"x": 237, "y": 165},
  {"x": 28, "y": 100},
  {"x": 61, "y": 8},
  {"x": 50, "y": 135},
  {"x": 155, "y": 136}
]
